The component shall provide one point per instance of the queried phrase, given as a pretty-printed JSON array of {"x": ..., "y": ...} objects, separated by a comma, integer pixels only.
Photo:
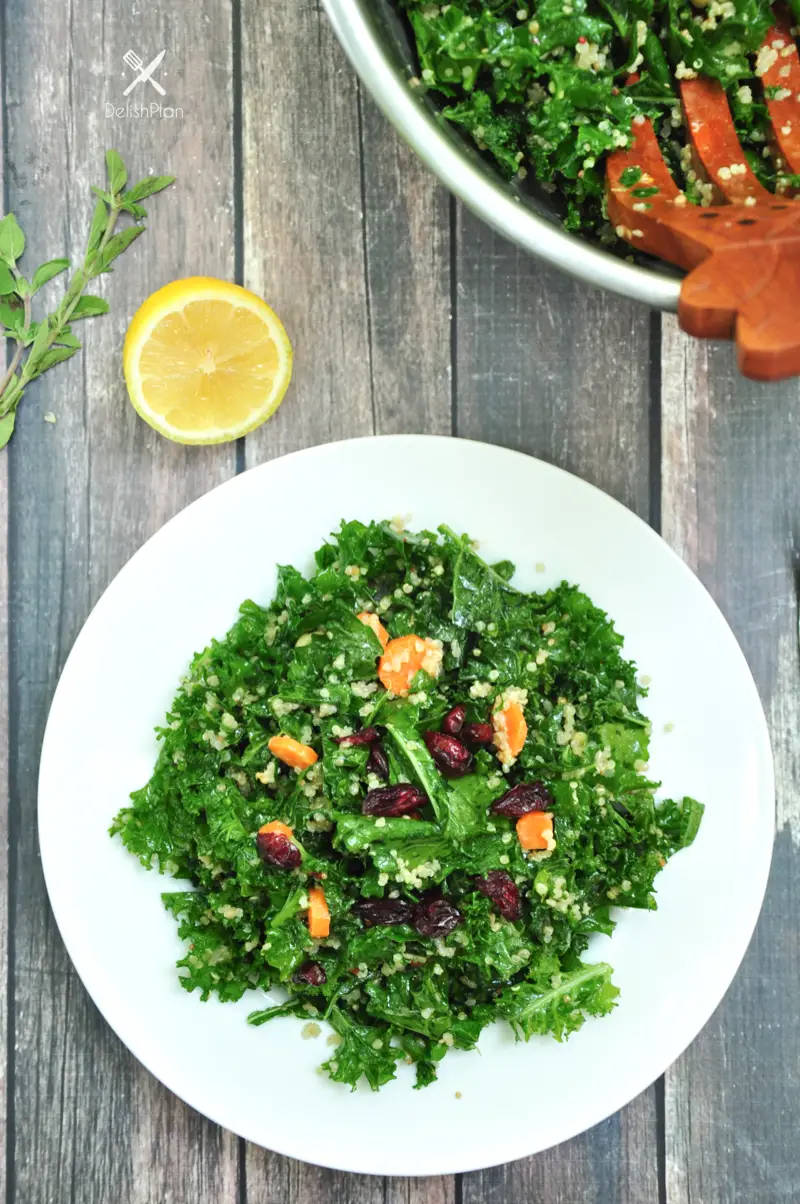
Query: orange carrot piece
[
  {"x": 535, "y": 830},
  {"x": 510, "y": 731},
  {"x": 292, "y": 752},
  {"x": 319, "y": 918},
  {"x": 370, "y": 620},
  {"x": 516, "y": 728},
  {"x": 404, "y": 657},
  {"x": 275, "y": 825}
]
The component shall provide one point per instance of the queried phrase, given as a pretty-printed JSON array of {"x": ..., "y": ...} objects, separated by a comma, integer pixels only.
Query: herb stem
[
  {"x": 86, "y": 272},
  {"x": 51, "y": 341},
  {"x": 12, "y": 367}
]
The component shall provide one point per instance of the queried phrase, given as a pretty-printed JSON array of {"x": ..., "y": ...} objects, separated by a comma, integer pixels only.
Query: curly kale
[
  {"x": 306, "y": 667},
  {"x": 547, "y": 88}
]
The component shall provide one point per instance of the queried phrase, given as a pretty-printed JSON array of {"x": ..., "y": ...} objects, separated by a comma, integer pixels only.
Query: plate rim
[{"x": 83, "y": 966}]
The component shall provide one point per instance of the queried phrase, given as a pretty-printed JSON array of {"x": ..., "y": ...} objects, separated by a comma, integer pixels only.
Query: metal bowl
[{"x": 378, "y": 45}]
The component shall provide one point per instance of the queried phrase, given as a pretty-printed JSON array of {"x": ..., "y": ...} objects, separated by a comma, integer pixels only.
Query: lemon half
[{"x": 206, "y": 361}]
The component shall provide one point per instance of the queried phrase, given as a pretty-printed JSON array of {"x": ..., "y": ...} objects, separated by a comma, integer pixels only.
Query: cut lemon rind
[{"x": 171, "y": 300}]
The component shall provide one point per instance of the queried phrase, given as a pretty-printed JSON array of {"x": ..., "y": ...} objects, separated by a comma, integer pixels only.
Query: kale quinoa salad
[
  {"x": 407, "y": 793},
  {"x": 547, "y": 88}
]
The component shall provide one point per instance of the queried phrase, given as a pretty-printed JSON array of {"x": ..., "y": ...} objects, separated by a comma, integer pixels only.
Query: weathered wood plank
[
  {"x": 303, "y": 228},
  {"x": 90, "y": 1123},
  {"x": 4, "y": 744},
  {"x": 539, "y": 368},
  {"x": 546, "y": 365},
  {"x": 730, "y": 503},
  {"x": 348, "y": 237},
  {"x": 407, "y": 248},
  {"x": 275, "y": 1180}
]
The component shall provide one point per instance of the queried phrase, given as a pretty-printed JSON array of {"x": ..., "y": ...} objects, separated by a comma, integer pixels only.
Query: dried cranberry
[
  {"x": 276, "y": 849},
  {"x": 477, "y": 735},
  {"x": 501, "y": 888},
  {"x": 312, "y": 973},
  {"x": 434, "y": 916},
  {"x": 522, "y": 798},
  {"x": 450, "y": 755},
  {"x": 454, "y": 720},
  {"x": 367, "y": 735},
  {"x": 378, "y": 762},
  {"x": 382, "y": 911},
  {"x": 393, "y": 800}
]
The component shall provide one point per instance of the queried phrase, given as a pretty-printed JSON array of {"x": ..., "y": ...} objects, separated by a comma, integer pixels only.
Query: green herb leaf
[
  {"x": 89, "y": 307},
  {"x": 630, "y": 176},
  {"x": 53, "y": 355},
  {"x": 53, "y": 267},
  {"x": 12, "y": 314},
  {"x": 117, "y": 175},
  {"x": 98, "y": 227},
  {"x": 7, "y": 427},
  {"x": 148, "y": 187},
  {"x": 40, "y": 340},
  {"x": 8, "y": 284},
  {"x": 12, "y": 240},
  {"x": 136, "y": 211},
  {"x": 67, "y": 339},
  {"x": 117, "y": 244}
]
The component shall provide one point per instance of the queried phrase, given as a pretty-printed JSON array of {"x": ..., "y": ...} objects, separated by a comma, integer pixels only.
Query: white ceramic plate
[{"x": 673, "y": 966}]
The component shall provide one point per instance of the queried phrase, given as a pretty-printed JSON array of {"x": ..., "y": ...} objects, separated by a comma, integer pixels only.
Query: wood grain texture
[
  {"x": 272, "y": 1179},
  {"x": 89, "y": 1123},
  {"x": 730, "y": 504},
  {"x": 4, "y": 779},
  {"x": 539, "y": 368},
  {"x": 550, "y": 367},
  {"x": 4, "y": 833},
  {"x": 348, "y": 237},
  {"x": 407, "y": 254},
  {"x": 303, "y": 224}
]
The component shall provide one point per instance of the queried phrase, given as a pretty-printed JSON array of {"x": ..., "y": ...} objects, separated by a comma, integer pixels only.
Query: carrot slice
[
  {"x": 535, "y": 830},
  {"x": 275, "y": 825},
  {"x": 292, "y": 752},
  {"x": 510, "y": 731},
  {"x": 404, "y": 657},
  {"x": 370, "y": 620},
  {"x": 319, "y": 918}
]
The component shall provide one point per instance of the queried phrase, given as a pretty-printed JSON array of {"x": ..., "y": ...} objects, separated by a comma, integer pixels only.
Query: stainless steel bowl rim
[{"x": 474, "y": 186}]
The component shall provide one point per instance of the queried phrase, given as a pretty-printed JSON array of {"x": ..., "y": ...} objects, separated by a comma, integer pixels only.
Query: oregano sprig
[{"x": 39, "y": 345}]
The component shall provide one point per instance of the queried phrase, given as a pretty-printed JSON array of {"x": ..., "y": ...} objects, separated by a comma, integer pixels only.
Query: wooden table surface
[{"x": 406, "y": 314}]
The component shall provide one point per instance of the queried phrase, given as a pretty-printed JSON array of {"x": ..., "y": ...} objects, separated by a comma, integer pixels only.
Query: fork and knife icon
[{"x": 145, "y": 73}]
